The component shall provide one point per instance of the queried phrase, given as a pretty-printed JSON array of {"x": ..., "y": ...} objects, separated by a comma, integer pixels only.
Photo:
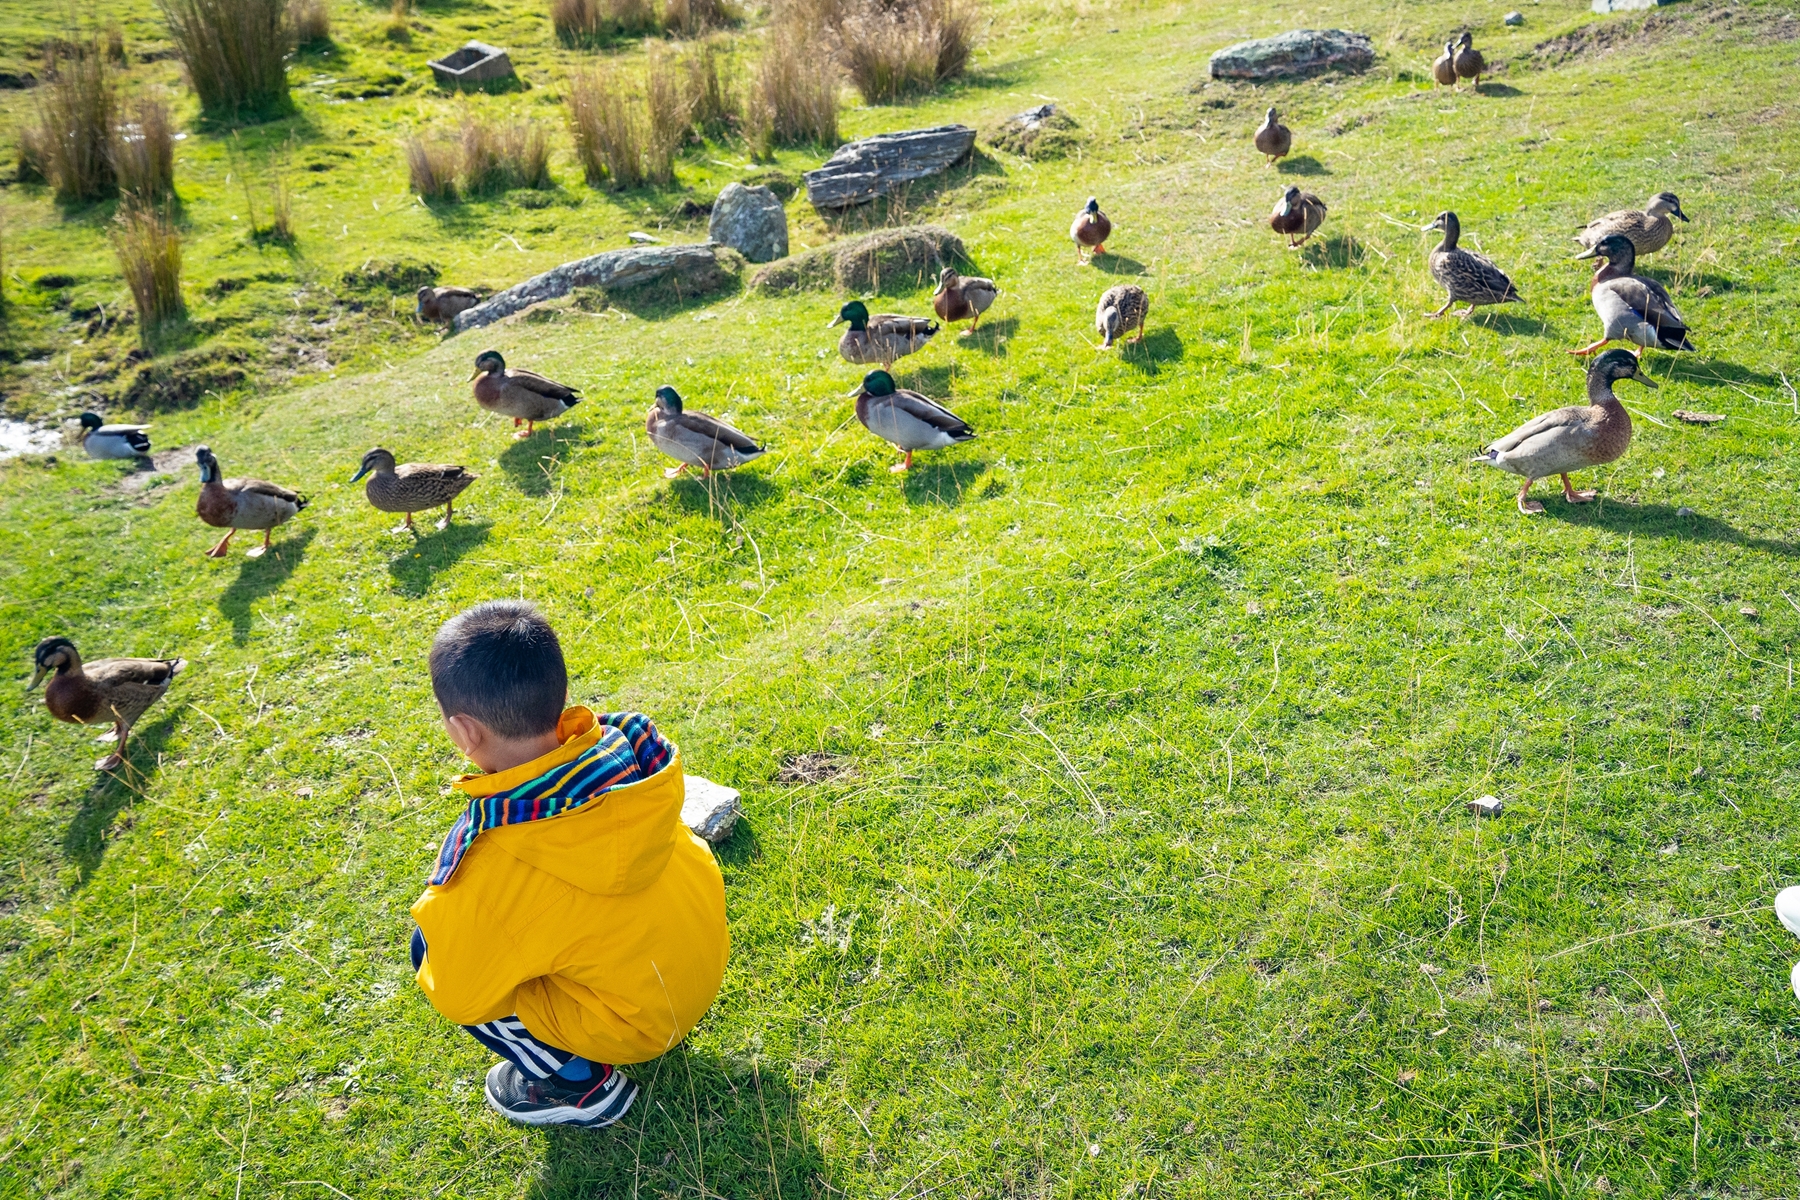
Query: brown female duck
[
  {"x": 963, "y": 298},
  {"x": 1467, "y": 276},
  {"x": 1469, "y": 63},
  {"x": 411, "y": 487},
  {"x": 234, "y": 504},
  {"x": 1649, "y": 229},
  {"x": 1572, "y": 438},
  {"x": 1121, "y": 310},
  {"x": 1444, "y": 69},
  {"x": 525, "y": 396},
  {"x": 1090, "y": 231},
  {"x": 113, "y": 689},
  {"x": 441, "y": 304},
  {"x": 1297, "y": 212},
  {"x": 1273, "y": 138}
]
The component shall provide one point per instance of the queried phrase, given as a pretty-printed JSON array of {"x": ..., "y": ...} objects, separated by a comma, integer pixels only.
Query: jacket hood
[{"x": 610, "y": 843}]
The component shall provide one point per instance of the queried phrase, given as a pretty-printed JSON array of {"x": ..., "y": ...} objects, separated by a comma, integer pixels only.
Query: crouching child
[{"x": 572, "y": 923}]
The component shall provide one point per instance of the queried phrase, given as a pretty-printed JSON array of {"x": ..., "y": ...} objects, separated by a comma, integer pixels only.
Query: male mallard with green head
[
  {"x": 907, "y": 419},
  {"x": 1572, "y": 438},
  {"x": 1273, "y": 138},
  {"x": 1649, "y": 230},
  {"x": 1089, "y": 232},
  {"x": 113, "y": 689},
  {"x": 881, "y": 338},
  {"x": 695, "y": 439},
  {"x": 101, "y": 440},
  {"x": 963, "y": 298},
  {"x": 411, "y": 487},
  {"x": 1632, "y": 308},
  {"x": 234, "y": 504},
  {"x": 525, "y": 396},
  {"x": 1467, "y": 276}
]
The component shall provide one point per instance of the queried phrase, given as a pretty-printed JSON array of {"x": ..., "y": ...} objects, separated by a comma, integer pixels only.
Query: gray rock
[
  {"x": 477, "y": 63},
  {"x": 691, "y": 270},
  {"x": 1513, "y": 18},
  {"x": 1297, "y": 52},
  {"x": 882, "y": 165},
  {"x": 1606, "y": 6},
  {"x": 910, "y": 256},
  {"x": 751, "y": 221},
  {"x": 710, "y": 809},
  {"x": 1034, "y": 133}
]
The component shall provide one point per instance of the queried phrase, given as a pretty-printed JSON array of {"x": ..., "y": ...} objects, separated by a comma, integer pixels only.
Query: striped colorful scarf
[{"x": 629, "y": 750}]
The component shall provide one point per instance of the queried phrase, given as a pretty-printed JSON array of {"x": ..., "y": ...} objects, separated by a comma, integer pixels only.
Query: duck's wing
[
  {"x": 979, "y": 292},
  {"x": 700, "y": 430},
  {"x": 1471, "y": 274},
  {"x": 1649, "y": 299},
  {"x": 432, "y": 472},
  {"x": 1557, "y": 419},
  {"x": 128, "y": 686},
  {"x": 458, "y": 293},
  {"x": 1624, "y": 221},
  {"x": 920, "y": 408},
  {"x": 532, "y": 382},
  {"x": 262, "y": 487},
  {"x": 121, "y": 430},
  {"x": 893, "y": 325}
]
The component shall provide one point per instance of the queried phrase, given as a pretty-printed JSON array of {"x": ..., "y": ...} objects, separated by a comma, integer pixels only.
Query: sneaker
[
  {"x": 1787, "y": 908},
  {"x": 592, "y": 1103}
]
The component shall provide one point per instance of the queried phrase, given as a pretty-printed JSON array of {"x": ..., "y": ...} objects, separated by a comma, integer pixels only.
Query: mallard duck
[
  {"x": 522, "y": 395},
  {"x": 1121, "y": 309},
  {"x": 963, "y": 298},
  {"x": 1631, "y": 307},
  {"x": 411, "y": 487},
  {"x": 881, "y": 338},
  {"x": 1469, "y": 63},
  {"x": 113, "y": 441},
  {"x": 1090, "y": 231},
  {"x": 112, "y": 689},
  {"x": 234, "y": 504},
  {"x": 1444, "y": 69},
  {"x": 1297, "y": 212},
  {"x": 441, "y": 304},
  {"x": 1572, "y": 438},
  {"x": 1273, "y": 139},
  {"x": 695, "y": 439},
  {"x": 1649, "y": 230},
  {"x": 907, "y": 419},
  {"x": 1467, "y": 276}
]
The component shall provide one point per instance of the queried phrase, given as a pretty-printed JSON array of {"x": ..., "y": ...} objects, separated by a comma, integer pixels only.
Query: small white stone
[
  {"x": 642, "y": 238},
  {"x": 710, "y": 809},
  {"x": 1487, "y": 806},
  {"x": 1513, "y": 18},
  {"x": 1684, "y": 511}
]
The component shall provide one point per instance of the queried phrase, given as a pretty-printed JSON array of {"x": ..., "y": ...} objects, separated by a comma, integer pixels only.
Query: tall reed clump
[
  {"x": 711, "y": 89},
  {"x": 497, "y": 158},
  {"x": 431, "y": 168},
  {"x": 149, "y": 250},
  {"x": 71, "y": 146},
  {"x": 143, "y": 153},
  {"x": 690, "y": 18},
  {"x": 793, "y": 96},
  {"x": 233, "y": 51},
  {"x": 669, "y": 111},
  {"x": 399, "y": 22},
  {"x": 590, "y": 22},
  {"x": 309, "y": 23},
  {"x": 608, "y": 126},
  {"x": 891, "y": 50}
]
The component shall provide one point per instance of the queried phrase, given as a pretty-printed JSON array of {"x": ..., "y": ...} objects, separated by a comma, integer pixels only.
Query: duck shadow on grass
[
  {"x": 84, "y": 841},
  {"x": 531, "y": 463},
  {"x": 1302, "y": 164},
  {"x": 1333, "y": 253},
  {"x": 415, "y": 568},
  {"x": 258, "y": 577},
  {"x": 944, "y": 484},
  {"x": 756, "y": 1142},
  {"x": 1161, "y": 345},
  {"x": 727, "y": 490},
  {"x": 1662, "y": 520},
  {"x": 1117, "y": 264},
  {"x": 990, "y": 337},
  {"x": 1512, "y": 324},
  {"x": 1711, "y": 372},
  {"x": 1501, "y": 90}
]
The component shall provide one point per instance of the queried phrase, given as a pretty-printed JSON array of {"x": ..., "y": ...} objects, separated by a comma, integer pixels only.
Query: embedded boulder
[
  {"x": 901, "y": 259},
  {"x": 887, "y": 163},
  {"x": 751, "y": 221},
  {"x": 1041, "y": 132},
  {"x": 1298, "y": 52},
  {"x": 683, "y": 272}
]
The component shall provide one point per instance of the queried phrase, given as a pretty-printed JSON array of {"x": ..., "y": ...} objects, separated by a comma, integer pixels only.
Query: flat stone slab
[
  {"x": 710, "y": 809},
  {"x": 1606, "y": 6},
  {"x": 1298, "y": 52},
  {"x": 696, "y": 269},
  {"x": 880, "y": 166},
  {"x": 474, "y": 64}
]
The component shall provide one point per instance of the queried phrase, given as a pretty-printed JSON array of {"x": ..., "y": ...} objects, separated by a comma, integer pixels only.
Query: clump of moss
[{"x": 887, "y": 260}]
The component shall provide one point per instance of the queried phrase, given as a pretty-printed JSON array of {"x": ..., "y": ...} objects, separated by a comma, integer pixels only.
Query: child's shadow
[{"x": 757, "y": 1142}]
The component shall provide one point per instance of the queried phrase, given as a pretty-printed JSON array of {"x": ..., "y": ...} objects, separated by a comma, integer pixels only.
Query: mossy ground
[{"x": 1142, "y": 867}]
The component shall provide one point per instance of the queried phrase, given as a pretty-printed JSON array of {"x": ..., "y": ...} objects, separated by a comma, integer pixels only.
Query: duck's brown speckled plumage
[
  {"x": 114, "y": 691},
  {"x": 441, "y": 304},
  {"x": 1648, "y": 228},
  {"x": 963, "y": 297},
  {"x": 411, "y": 487},
  {"x": 1468, "y": 277},
  {"x": 1469, "y": 63},
  {"x": 1273, "y": 138},
  {"x": 1122, "y": 309},
  {"x": 1297, "y": 215}
]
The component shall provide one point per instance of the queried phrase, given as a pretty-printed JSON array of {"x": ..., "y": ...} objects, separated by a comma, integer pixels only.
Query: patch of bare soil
[
  {"x": 1600, "y": 38},
  {"x": 816, "y": 766},
  {"x": 162, "y": 467}
]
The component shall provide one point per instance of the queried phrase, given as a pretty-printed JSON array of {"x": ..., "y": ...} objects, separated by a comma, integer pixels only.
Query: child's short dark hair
[{"x": 500, "y": 663}]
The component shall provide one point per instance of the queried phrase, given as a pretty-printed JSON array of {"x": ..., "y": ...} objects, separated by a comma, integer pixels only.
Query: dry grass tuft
[
  {"x": 149, "y": 250},
  {"x": 71, "y": 146},
  {"x": 144, "y": 153},
  {"x": 793, "y": 96},
  {"x": 233, "y": 51},
  {"x": 690, "y": 18},
  {"x": 309, "y": 23},
  {"x": 399, "y": 26},
  {"x": 894, "y": 50},
  {"x": 608, "y": 127},
  {"x": 115, "y": 45},
  {"x": 711, "y": 89},
  {"x": 670, "y": 112},
  {"x": 498, "y": 158},
  {"x": 591, "y": 22},
  {"x": 431, "y": 168}
]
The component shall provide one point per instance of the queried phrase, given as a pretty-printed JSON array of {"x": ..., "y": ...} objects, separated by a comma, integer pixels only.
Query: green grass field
[{"x": 1142, "y": 865}]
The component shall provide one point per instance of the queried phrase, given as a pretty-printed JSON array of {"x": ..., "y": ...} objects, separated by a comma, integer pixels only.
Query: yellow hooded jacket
[{"x": 602, "y": 928}]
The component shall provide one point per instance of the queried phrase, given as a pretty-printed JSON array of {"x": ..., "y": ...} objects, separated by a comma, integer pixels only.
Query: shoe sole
[{"x": 613, "y": 1113}]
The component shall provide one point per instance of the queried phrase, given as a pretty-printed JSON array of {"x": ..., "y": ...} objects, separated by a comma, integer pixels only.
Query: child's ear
[{"x": 468, "y": 733}]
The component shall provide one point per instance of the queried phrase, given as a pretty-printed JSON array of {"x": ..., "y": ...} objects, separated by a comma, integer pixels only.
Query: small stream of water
[{"x": 22, "y": 437}]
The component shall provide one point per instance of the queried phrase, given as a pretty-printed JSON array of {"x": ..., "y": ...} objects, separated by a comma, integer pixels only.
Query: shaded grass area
[{"x": 1140, "y": 864}]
